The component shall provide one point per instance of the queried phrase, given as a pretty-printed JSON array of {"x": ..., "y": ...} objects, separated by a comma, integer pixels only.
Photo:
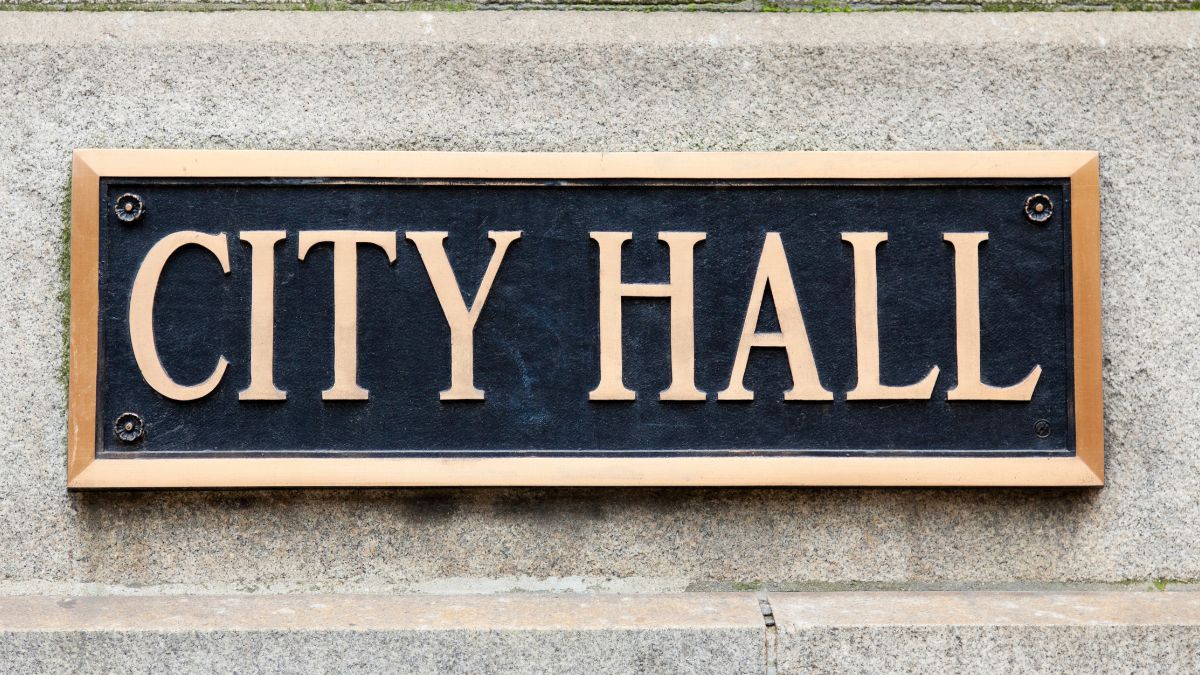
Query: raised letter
[
  {"x": 345, "y": 302},
  {"x": 678, "y": 289},
  {"x": 141, "y": 314},
  {"x": 866, "y": 327},
  {"x": 262, "y": 316},
  {"x": 460, "y": 319},
  {"x": 773, "y": 271},
  {"x": 970, "y": 385}
]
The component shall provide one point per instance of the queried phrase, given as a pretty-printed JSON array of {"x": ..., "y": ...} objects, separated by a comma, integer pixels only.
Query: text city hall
[{"x": 772, "y": 272}]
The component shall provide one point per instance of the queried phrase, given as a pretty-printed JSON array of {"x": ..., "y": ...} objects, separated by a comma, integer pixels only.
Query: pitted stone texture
[
  {"x": 700, "y": 633},
  {"x": 1117, "y": 632},
  {"x": 987, "y": 632},
  {"x": 385, "y": 652},
  {"x": 991, "y": 649},
  {"x": 822, "y": 6},
  {"x": 1125, "y": 85}
]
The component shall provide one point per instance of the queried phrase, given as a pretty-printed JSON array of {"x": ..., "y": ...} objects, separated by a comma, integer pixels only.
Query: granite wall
[{"x": 1126, "y": 85}]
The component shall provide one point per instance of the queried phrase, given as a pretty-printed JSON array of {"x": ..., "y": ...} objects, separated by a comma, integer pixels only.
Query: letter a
[{"x": 773, "y": 271}]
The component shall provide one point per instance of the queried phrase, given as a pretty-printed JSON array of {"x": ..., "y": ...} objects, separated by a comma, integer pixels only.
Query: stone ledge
[
  {"x": 988, "y": 608},
  {"x": 415, "y": 612},
  {"x": 694, "y": 632},
  {"x": 699, "y": 32},
  {"x": 987, "y": 632},
  {"x": 746, "y": 6},
  {"x": 709, "y": 632}
]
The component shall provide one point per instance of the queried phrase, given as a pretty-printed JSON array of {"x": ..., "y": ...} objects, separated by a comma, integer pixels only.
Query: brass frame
[{"x": 85, "y": 471}]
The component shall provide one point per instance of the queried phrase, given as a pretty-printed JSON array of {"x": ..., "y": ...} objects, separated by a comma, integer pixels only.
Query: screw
[
  {"x": 1039, "y": 208},
  {"x": 1041, "y": 428},
  {"x": 129, "y": 427},
  {"x": 129, "y": 208}
]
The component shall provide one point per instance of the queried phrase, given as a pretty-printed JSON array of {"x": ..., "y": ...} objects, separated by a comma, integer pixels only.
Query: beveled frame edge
[
  {"x": 84, "y": 317},
  {"x": 85, "y": 471},
  {"x": 1086, "y": 303}
]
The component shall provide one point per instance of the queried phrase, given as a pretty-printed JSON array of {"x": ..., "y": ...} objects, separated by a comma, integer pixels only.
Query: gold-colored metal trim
[{"x": 85, "y": 471}]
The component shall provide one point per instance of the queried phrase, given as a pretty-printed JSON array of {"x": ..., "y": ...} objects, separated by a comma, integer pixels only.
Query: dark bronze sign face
[{"x": 256, "y": 319}]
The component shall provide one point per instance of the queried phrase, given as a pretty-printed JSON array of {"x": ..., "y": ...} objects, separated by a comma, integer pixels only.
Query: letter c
[{"x": 141, "y": 314}]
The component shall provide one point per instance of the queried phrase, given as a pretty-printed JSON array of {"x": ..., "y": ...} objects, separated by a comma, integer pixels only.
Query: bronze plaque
[{"x": 254, "y": 319}]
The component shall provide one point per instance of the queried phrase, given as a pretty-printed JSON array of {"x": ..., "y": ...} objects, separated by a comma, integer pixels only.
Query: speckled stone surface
[
  {"x": 385, "y": 652},
  {"x": 847, "y": 632},
  {"x": 695, "y": 632},
  {"x": 992, "y": 649},
  {"x": 1126, "y": 85},
  {"x": 913, "y": 632},
  {"x": 822, "y": 6}
]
